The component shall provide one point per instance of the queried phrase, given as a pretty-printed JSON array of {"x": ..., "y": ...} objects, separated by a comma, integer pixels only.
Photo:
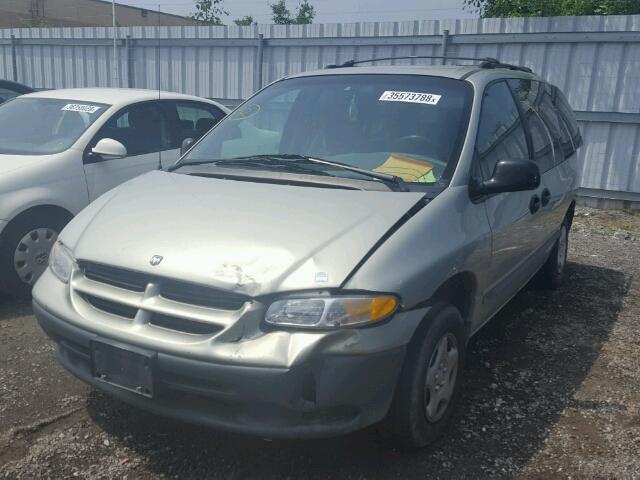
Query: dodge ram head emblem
[{"x": 155, "y": 260}]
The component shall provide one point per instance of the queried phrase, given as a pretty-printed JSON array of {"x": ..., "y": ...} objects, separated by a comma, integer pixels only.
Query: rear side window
[
  {"x": 530, "y": 94},
  {"x": 195, "y": 120},
  {"x": 567, "y": 115},
  {"x": 561, "y": 142},
  {"x": 501, "y": 135}
]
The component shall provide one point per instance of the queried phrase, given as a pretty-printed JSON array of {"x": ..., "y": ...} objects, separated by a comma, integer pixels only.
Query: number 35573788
[{"x": 410, "y": 97}]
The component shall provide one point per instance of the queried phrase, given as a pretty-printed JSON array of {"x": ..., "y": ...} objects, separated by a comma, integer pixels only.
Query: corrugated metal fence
[{"x": 594, "y": 60}]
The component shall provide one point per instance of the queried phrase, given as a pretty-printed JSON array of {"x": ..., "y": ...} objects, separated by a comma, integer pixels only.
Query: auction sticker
[
  {"x": 78, "y": 107},
  {"x": 410, "y": 97}
]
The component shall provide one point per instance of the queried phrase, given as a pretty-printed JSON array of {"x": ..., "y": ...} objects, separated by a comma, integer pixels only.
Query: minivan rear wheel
[
  {"x": 550, "y": 275},
  {"x": 429, "y": 384},
  {"x": 24, "y": 251}
]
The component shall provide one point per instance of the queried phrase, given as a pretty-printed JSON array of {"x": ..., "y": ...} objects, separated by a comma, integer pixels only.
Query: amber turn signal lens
[{"x": 382, "y": 307}]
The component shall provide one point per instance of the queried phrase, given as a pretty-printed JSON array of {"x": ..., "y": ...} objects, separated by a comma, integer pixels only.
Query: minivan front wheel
[
  {"x": 24, "y": 252},
  {"x": 429, "y": 383}
]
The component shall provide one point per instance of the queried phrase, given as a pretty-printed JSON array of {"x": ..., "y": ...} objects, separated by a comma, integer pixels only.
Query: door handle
[
  {"x": 545, "y": 196},
  {"x": 534, "y": 204}
]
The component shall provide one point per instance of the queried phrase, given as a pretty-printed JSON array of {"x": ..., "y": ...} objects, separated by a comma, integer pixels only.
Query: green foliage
[
  {"x": 35, "y": 23},
  {"x": 245, "y": 21},
  {"x": 304, "y": 14},
  {"x": 209, "y": 12},
  {"x": 549, "y": 8}
]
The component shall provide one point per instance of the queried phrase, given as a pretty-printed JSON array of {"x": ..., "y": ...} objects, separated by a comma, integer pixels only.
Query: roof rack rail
[{"x": 486, "y": 62}]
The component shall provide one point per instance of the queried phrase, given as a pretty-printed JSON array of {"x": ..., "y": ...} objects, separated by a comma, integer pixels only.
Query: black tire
[
  {"x": 407, "y": 422},
  {"x": 549, "y": 277},
  {"x": 11, "y": 282}
]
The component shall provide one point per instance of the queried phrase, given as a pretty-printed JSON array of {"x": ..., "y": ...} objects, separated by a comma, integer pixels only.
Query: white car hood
[{"x": 12, "y": 163}]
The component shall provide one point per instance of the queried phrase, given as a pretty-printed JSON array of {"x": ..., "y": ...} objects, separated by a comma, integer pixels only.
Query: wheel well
[
  {"x": 459, "y": 292},
  {"x": 52, "y": 211}
]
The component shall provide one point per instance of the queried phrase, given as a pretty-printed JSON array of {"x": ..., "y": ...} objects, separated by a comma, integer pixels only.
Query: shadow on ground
[
  {"x": 11, "y": 308},
  {"x": 522, "y": 370}
]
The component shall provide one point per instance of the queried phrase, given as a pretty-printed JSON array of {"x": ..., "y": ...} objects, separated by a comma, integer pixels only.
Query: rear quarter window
[{"x": 563, "y": 145}]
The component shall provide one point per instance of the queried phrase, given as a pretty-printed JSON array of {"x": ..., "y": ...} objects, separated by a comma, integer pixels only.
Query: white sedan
[{"x": 61, "y": 149}]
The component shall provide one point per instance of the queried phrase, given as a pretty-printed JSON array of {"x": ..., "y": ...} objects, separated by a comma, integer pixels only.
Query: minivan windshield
[
  {"x": 408, "y": 126},
  {"x": 43, "y": 126}
]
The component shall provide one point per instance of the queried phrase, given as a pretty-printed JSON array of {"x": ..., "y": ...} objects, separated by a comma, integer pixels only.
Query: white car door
[{"x": 144, "y": 131}]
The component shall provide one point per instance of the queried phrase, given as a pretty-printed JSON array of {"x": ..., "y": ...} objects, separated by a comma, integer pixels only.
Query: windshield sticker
[
  {"x": 77, "y": 107},
  {"x": 322, "y": 277},
  {"x": 410, "y": 97}
]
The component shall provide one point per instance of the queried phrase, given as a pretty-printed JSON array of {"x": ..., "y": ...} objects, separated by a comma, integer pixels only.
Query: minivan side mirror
[
  {"x": 109, "y": 149},
  {"x": 186, "y": 145},
  {"x": 510, "y": 176}
]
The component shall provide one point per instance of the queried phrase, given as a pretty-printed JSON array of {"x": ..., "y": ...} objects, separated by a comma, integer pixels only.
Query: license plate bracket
[{"x": 123, "y": 366}]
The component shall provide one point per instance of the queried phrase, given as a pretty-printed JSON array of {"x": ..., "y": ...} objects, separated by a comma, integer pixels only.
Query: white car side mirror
[{"x": 109, "y": 149}]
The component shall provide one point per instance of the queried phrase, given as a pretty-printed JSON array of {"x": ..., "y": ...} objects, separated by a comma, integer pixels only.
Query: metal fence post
[
  {"x": 128, "y": 49},
  {"x": 14, "y": 58},
  {"x": 445, "y": 45},
  {"x": 259, "y": 60}
]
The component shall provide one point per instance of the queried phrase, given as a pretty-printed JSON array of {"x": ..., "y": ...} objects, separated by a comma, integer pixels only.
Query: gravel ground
[{"x": 552, "y": 390}]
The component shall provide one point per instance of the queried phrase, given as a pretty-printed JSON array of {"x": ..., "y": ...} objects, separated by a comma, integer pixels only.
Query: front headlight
[
  {"x": 331, "y": 312},
  {"x": 61, "y": 262}
]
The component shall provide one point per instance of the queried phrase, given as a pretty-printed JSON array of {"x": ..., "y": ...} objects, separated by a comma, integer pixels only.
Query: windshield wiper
[
  {"x": 270, "y": 162},
  {"x": 251, "y": 161},
  {"x": 290, "y": 161},
  {"x": 394, "y": 182},
  {"x": 263, "y": 162}
]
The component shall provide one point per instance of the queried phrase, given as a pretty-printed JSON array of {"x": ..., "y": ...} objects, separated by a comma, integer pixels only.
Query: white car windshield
[
  {"x": 43, "y": 126},
  {"x": 409, "y": 126}
]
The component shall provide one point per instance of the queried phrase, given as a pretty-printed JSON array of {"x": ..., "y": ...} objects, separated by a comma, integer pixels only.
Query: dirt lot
[{"x": 552, "y": 390}]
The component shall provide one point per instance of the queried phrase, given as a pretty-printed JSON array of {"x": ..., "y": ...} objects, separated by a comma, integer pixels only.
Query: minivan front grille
[
  {"x": 170, "y": 289},
  {"x": 175, "y": 306},
  {"x": 114, "y": 308},
  {"x": 117, "y": 277},
  {"x": 183, "y": 325}
]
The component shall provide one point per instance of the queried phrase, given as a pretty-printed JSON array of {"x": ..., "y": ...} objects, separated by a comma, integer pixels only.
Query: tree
[
  {"x": 282, "y": 15},
  {"x": 548, "y": 8},
  {"x": 305, "y": 13},
  {"x": 209, "y": 12},
  {"x": 244, "y": 21}
]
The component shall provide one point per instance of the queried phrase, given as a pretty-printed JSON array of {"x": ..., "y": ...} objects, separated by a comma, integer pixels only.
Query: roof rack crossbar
[{"x": 485, "y": 62}]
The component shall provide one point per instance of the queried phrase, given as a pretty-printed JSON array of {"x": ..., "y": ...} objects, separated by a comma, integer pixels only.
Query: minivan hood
[{"x": 253, "y": 238}]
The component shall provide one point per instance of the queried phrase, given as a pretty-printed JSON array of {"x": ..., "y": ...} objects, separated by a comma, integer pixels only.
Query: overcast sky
[{"x": 326, "y": 10}]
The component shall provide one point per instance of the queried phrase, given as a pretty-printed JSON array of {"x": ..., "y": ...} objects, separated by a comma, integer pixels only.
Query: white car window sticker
[
  {"x": 78, "y": 107},
  {"x": 410, "y": 97}
]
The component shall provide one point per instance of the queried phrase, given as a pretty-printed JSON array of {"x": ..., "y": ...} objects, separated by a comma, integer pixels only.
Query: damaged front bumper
[{"x": 272, "y": 383}]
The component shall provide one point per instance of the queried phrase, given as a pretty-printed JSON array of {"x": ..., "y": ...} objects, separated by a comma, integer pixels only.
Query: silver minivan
[{"x": 319, "y": 260}]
